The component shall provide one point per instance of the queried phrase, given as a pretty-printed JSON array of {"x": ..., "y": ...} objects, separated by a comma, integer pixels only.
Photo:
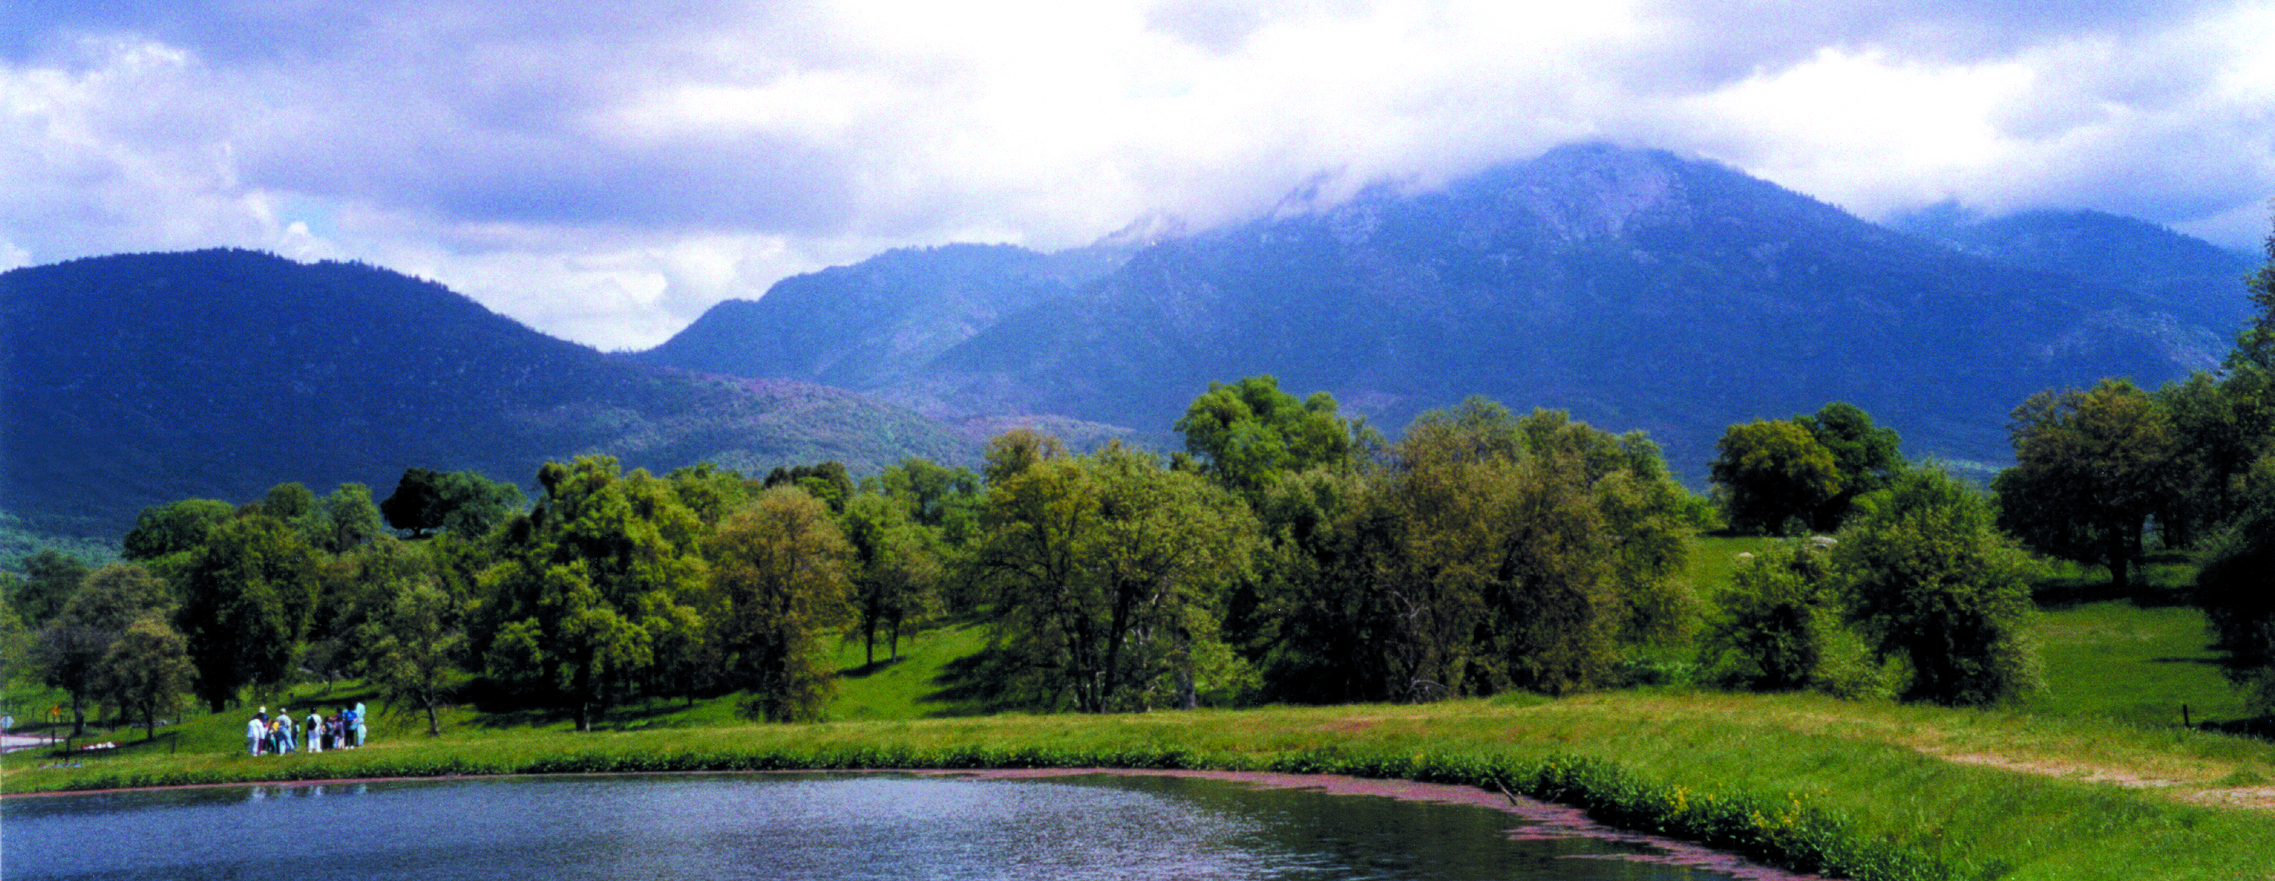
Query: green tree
[
  {"x": 590, "y": 583},
  {"x": 1014, "y": 452},
  {"x": 50, "y": 577},
  {"x": 1108, "y": 574},
  {"x": 2218, "y": 434},
  {"x": 2253, "y": 357},
  {"x": 1648, "y": 517},
  {"x": 290, "y": 502},
  {"x": 71, "y": 648},
  {"x": 18, "y": 642},
  {"x": 936, "y": 496},
  {"x": 1328, "y": 628},
  {"x": 165, "y": 536},
  {"x": 461, "y": 503},
  {"x": 2236, "y": 590},
  {"x": 1929, "y": 578},
  {"x": 1773, "y": 475},
  {"x": 1867, "y": 456},
  {"x": 344, "y": 520},
  {"x": 1248, "y": 434},
  {"x": 784, "y": 569},
  {"x": 827, "y": 481},
  {"x": 944, "y": 503},
  {"x": 2091, "y": 467},
  {"x": 248, "y": 594},
  {"x": 1488, "y": 552},
  {"x": 146, "y": 670},
  {"x": 351, "y": 587},
  {"x": 1503, "y": 576},
  {"x": 1170, "y": 548},
  {"x": 897, "y": 574},
  {"x": 414, "y": 648},
  {"x": 1775, "y": 624},
  {"x": 710, "y": 491}
]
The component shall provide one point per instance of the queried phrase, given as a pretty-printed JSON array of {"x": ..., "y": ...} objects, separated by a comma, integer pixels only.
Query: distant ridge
[{"x": 141, "y": 379}]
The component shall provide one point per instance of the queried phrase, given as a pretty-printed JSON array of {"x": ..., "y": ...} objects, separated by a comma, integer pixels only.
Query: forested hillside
[
  {"x": 2191, "y": 279},
  {"x": 142, "y": 379}
]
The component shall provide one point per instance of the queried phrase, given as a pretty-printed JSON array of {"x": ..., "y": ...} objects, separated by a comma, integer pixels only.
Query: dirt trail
[
  {"x": 2260, "y": 797},
  {"x": 12, "y": 742}
]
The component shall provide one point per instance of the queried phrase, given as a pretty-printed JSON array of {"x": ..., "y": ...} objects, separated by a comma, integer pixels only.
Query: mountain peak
[
  {"x": 1151, "y": 229},
  {"x": 1598, "y": 190}
]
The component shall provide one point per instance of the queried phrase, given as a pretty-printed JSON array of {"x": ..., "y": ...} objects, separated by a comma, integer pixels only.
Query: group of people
[{"x": 280, "y": 734}]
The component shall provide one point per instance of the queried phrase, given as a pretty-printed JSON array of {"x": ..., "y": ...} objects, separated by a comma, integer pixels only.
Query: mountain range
[
  {"x": 1635, "y": 288},
  {"x": 142, "y": 379}
]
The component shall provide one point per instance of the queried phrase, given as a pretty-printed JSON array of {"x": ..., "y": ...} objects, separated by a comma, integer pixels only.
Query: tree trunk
[{"x": 2120, "y": 565}]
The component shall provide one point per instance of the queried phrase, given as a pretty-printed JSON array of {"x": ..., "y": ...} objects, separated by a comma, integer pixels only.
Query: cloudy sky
[{"x": 605, "y": 174}]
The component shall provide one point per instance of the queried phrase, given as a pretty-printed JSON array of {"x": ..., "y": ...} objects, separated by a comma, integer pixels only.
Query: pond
[{"x": 865, "y": 826}]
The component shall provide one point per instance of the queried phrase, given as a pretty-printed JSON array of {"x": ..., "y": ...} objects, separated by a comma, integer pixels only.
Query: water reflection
[{"x": 770, "y": 826}]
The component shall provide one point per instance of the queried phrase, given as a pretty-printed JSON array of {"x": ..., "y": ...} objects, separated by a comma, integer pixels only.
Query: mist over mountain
[
  {"x": 867, "y": 325},
  {"x": 1635, "y": 288},
  {"x": 142, "y": 379}
]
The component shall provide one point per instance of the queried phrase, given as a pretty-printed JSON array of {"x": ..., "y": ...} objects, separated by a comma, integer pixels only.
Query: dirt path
[
  {"x": 12, "y": 742},
  {"x": 2255, "y": 795}
]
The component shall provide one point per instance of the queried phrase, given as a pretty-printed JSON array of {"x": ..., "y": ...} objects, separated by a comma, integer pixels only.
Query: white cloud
[{"x": 606, "y": 173}]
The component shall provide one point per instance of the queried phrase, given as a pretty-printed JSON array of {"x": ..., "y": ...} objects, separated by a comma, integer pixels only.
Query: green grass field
[
  {"x": 911, "y": 687},
  {"x": 2094, "y": 779}
]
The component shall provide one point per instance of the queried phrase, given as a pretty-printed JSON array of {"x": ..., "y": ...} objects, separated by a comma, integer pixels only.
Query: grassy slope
[{"x": 2090, "y": 781}]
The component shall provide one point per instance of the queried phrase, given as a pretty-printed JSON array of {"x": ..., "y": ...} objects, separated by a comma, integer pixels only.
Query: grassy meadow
[{"x": 2095, "y": 779}]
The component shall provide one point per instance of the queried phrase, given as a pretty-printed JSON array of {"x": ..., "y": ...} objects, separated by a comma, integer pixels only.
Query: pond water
[{"x": 866, "y": 826}]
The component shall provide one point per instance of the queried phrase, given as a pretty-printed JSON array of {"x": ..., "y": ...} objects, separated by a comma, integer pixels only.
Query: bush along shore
[{"x": 1795, "y": 781}]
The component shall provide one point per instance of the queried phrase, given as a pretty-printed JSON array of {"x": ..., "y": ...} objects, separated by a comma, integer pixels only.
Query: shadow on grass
[
  {"x": 975, "y": 685},
  {"x": 2155, "y": 586},
  {"x": 168, "y": 742},
  {"x": 498, "y": 709},
  {"x": 869, "y": 669},
  {"x": 2262, "y": 728}
]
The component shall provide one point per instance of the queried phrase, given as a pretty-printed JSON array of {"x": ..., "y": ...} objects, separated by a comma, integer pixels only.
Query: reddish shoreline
[{"x": 1543, "y": 820}]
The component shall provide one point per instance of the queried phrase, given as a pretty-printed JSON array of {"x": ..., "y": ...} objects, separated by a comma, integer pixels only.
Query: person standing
[
  {"x": 359, "y": 723},
  {"x": 254, "y": 731},
  {"x": 315, "y": 732}
]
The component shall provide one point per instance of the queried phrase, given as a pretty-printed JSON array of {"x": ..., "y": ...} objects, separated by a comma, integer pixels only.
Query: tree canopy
[
  {"x": 1928, "y": 577},
  {"x": 590, "y": 582},
  {"x": 1774, "y": 476},
  {"x": 1248, "y": 434},
  {"x": 2091, "y": 467},
  {"x": 461, "y": 502}
]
